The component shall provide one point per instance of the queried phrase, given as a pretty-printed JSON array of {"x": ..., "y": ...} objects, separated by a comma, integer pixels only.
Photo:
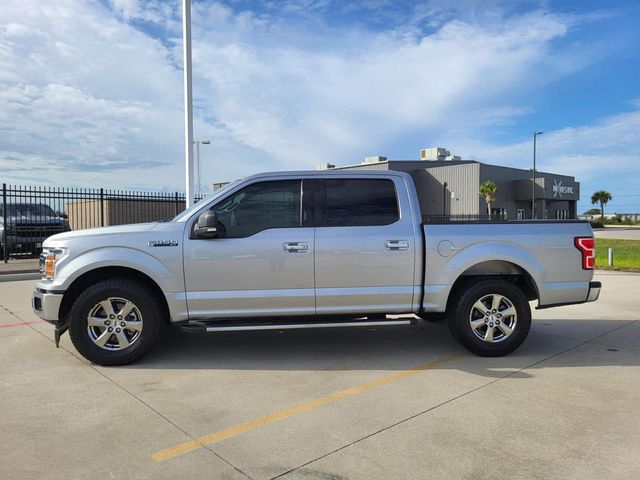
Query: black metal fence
[
  {"x": 30, "y": 214},
  {"x": 429, "y": 218}
]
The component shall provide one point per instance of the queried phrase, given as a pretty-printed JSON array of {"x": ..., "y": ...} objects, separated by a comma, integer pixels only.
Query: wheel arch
[
  {"x": 91, "y": 277},
  {"x": 495, "y": 269}
]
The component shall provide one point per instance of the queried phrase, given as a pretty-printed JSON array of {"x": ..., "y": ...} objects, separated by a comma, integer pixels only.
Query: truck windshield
[
  {"x": 181, "y": 217},
  {"x": 27, "y": 210}
]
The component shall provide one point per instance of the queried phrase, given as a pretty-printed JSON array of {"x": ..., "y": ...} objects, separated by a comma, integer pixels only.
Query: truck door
[
  {"x": 261, "y": 263},
  {"x": 365, "y": 247}
]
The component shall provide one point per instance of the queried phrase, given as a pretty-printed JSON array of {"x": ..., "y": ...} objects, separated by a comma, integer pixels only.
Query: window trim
[
  {"x": 238, "y": 190},
  {"x": 321, "y": 204}
]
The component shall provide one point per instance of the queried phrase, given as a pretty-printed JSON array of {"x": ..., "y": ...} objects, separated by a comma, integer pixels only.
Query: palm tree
[
  {"x": 601, "y": 197},
  {"x": 488, "y": 190}
]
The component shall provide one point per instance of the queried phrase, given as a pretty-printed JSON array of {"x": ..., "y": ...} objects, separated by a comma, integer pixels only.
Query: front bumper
[
  {"x": 46, "y": 305},
  {"x": 594, "y": 291}
]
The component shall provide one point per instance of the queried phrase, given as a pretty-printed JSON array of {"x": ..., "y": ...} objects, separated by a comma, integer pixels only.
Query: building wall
[
  {"x": 83, "y": 214},
  {"x": 86, "y": 213},
  {"x": 459, "y": 197},
  {"x": 124, "y": 211},
  {"x": 515, "y": 192},
  {"x": 366, "y": 166},
  {"x": 463, "y": 178}
]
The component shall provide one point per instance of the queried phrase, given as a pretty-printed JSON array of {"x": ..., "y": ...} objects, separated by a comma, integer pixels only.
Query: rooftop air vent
[
  {"x": 325, "y": 166},
  {"x": 374, "y": 159}
]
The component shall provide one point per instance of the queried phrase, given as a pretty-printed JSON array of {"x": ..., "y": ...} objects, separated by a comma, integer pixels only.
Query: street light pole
[
  {"x": 188, "y": 103},
  {"x": 533, "y": 177},
  {"x": 198, "y": 163}
]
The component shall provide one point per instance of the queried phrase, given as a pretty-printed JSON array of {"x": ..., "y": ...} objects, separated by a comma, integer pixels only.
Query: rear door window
[{"x": 360, "y": 202}]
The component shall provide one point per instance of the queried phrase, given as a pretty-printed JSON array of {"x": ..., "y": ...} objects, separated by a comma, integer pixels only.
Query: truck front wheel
[
  {"x": 115, "y": 321},
  {"x": 491, "y": 318}
]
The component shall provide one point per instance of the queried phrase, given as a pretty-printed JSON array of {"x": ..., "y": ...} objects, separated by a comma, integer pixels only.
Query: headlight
[{"x": 49, "y": 258}]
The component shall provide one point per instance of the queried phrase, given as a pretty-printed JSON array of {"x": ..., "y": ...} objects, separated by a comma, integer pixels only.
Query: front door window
[{"x": 260, "y": 206}]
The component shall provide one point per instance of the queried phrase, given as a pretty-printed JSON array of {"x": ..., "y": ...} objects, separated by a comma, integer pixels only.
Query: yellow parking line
[{"x": 289, "y": 412}]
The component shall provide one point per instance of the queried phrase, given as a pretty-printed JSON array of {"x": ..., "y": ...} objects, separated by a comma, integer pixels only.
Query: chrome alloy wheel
[
  {"x": 493, "y": 318},
  {"x": 114, "y": 323}
]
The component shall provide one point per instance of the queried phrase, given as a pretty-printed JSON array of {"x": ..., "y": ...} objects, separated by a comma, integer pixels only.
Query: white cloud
[
  {"x": 604, "y": 155},
  {"x": 127, "y": 8},
  {"x": 86, "y": 99},
  {"x": 93, "y": 92},
  {"x": 334, "y": 100}
]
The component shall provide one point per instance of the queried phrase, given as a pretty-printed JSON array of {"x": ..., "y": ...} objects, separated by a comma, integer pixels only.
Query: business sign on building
[{"x": 559, "y": 189}]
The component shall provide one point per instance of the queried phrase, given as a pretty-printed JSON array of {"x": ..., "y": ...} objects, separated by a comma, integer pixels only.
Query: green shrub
[{"x": 597, "y": 223}]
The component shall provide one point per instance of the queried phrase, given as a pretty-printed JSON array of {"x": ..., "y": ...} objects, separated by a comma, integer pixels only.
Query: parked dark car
[{"x": 27, "y": 225}]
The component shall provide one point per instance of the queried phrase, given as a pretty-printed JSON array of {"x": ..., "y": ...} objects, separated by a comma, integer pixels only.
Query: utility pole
[
  {"x": 188, "y": 102},
  {"x": 533, "y": 177}
]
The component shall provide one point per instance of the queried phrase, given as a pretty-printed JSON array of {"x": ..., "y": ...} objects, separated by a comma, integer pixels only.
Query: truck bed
[{"x": 544, "y": 250}]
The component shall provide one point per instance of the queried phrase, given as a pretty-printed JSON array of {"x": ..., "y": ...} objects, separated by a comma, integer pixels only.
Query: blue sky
[{"x": 91, "y": 91}]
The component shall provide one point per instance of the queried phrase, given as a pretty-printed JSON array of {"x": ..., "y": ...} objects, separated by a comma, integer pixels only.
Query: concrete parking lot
[{"x": 391, "y": 403}]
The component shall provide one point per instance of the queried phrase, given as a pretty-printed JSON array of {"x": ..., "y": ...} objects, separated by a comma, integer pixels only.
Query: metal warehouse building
[{"x": 448, "y": 186}]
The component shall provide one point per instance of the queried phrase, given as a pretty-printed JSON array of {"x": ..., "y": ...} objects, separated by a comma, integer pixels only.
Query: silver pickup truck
[{"x": 309, "y": 250}]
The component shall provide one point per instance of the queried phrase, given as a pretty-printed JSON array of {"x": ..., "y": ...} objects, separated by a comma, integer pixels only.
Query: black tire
[
  {"x": 146, "y": 305},
  {"x": 463, "y": 311}
]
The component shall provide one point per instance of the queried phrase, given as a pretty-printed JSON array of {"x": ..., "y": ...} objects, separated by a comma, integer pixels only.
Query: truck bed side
[{"x": 542, "y": 252}]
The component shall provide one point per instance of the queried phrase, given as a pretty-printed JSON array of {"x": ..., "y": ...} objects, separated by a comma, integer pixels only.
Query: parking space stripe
[
  {"x": 20, "y": 324},
  {"x": 295, "y": 410}
]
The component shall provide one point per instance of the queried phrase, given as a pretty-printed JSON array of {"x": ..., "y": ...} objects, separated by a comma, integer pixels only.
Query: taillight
[{"x": 587, "y": 247}]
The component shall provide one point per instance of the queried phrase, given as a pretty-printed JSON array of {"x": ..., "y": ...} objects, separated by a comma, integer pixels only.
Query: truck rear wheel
[
  {"x": 115, "y": 321},
  {"x": 491, "y": 318}
]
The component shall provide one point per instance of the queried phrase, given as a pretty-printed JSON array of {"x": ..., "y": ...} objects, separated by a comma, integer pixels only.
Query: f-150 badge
[{"x": 163, "y": 243}]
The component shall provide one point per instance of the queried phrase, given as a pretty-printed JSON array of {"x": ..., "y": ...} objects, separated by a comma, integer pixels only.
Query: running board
[{"x": 202, "y": 327}]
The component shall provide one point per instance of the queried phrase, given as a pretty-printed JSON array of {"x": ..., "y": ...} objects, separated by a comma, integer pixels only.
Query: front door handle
[
  {"x": 394, "y": 245},
  {"x": 296, "y": 247}
]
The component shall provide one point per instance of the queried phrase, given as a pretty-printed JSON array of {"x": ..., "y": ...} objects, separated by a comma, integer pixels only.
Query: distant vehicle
[
  {"x": 27, "y": 226},
  {"x": 309, "y": 250}
]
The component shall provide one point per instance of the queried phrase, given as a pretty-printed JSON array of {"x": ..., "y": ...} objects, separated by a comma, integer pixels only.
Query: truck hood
[{"x": 98, "y": 234}]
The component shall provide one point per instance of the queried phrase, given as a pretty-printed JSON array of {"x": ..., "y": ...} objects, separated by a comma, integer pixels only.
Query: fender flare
[
  {"x": 493, "y": 251},
  {"x": 438, "y": 293}
]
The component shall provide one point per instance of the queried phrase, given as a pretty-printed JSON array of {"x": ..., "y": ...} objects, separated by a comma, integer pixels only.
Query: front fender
[{"x": 167, "y": 274}]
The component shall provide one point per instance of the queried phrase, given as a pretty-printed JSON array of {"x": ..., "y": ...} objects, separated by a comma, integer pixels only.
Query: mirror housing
[{"x": 206, "y": 225}]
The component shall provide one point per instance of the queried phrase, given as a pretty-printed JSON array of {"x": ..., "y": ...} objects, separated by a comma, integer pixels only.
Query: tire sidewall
[
  {"x": 463, "y": 331},
  {"x": 126, "y": 289}
]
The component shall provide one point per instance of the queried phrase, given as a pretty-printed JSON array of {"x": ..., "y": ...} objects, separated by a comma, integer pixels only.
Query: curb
[{"x": 16, "y": 277}]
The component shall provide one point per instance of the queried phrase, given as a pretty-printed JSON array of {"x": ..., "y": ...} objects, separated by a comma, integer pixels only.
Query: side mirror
[{"x": 207, "y": 225}]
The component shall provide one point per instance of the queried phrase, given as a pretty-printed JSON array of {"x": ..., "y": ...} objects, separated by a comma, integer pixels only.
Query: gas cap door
[{"x": 446, "y": 248}]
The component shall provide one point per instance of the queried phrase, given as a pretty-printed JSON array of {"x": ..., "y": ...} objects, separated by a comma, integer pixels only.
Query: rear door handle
[
  {"x": 396, "y": 245},
  {"x": 296, "y": 247}
]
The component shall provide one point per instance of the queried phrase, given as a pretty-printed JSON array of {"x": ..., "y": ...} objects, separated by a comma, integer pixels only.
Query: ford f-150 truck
[
  {"x": 309, "y": 250},
  {"x": 26, "y": 226}
]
